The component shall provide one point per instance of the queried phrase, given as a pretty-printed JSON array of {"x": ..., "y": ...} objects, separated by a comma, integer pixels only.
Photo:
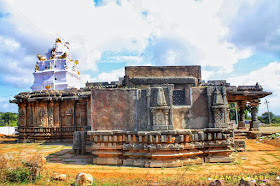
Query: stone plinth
[{"x": 170, "y": 148}]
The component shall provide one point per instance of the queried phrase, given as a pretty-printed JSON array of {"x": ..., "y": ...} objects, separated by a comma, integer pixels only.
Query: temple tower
[{"x": 56, "y": 71}]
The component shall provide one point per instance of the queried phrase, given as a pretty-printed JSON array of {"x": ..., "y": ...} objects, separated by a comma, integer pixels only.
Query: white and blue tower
[{"x": 56, "y": 71}]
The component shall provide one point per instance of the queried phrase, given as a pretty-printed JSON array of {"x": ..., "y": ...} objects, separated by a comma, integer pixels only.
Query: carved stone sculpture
[{"x": 160, "y": 111}]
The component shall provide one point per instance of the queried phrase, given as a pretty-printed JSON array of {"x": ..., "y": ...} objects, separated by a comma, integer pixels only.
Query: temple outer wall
[
  {"x": 194, "y": 116},
  {"x": 130, "y": 109},
  {"x": 166, "y": 71},
  {"x": 52, "y": 120},
  {"x": 113, "y": 109}
]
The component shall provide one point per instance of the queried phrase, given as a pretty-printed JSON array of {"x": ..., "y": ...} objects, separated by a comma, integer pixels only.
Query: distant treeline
[
  {"x": 8, "y": 119},
  {"x": 266, "y": 119}
]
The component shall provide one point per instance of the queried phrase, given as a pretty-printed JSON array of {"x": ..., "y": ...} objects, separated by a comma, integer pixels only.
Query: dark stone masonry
[{"x": 152, "y": 117}]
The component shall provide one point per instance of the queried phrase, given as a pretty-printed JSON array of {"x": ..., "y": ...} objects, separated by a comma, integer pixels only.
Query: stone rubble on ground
[
  {"x": 84, "y": 179},
  {"x": 217, "y": 183},
  {"x": 59, "y": 177}
]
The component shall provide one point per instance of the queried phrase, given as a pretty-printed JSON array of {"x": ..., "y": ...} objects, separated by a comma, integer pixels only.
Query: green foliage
[
  {"x": 17, "y": 170},
  {"x": 265, "y": 118},
  {"x": 19, "y": 174},
  {"x": 8, "y": 119},
  {"x": 232, "y": 112},
  {"x": 248, "y": 110}
]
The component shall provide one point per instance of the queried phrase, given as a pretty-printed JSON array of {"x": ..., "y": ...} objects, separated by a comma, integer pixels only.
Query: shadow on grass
[{"x": 67, "y": 156}]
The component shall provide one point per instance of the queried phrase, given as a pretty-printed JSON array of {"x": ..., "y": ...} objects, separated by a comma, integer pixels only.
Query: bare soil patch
[{"x": 258, "y": 159}]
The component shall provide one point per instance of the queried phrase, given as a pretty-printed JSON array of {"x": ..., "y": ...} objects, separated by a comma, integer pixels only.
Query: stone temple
[{"x": 155, "y": 116}]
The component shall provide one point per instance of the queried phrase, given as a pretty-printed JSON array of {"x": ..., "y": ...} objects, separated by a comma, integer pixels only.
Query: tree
[
  {"x": 9, "y": 118},
  {"x": 248, "y": 110},
  {"x": 265, "y": 117},
  {"x": 232, "y": 111},
  {"x": 276, "y": 119}
]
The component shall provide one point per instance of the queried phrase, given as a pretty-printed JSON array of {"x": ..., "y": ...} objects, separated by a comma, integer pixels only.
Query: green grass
[
  {"x": 275, "y": 156},
  {"x": 237, "y": 162}
]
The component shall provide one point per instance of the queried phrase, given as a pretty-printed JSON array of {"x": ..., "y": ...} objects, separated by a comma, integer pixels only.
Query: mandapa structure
[
  {"x": 56, "y": 71},
  {"x": 152, "y": 117}
]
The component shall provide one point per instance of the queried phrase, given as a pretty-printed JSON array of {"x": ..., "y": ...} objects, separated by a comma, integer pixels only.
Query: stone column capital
[
  {"x": 255, "y": 102},
  {"x": 242, "y": 104}
]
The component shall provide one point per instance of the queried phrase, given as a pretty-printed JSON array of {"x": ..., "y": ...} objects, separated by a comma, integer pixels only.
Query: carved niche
[
  {"x": 219, "y": 108},
  {"x": 41, "y": 117},
  {"x": 51, "y": 116},
  {"x": 160, "y": 111}
]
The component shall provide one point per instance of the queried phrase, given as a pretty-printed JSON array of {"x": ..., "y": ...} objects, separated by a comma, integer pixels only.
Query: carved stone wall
[
  {"x": 218, "y": 107},
  {"x": 51, "y": 118},
  {"x": 81, "y": 113},
  {"x": 160, "y": 111},
  {"x": 22, "y": 115},
  {"x": 62, "y": 113},
  {"x": 56, "y": 114}
]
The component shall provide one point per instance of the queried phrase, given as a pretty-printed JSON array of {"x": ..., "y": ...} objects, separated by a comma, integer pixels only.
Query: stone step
[{"x": 240, "y": 137}]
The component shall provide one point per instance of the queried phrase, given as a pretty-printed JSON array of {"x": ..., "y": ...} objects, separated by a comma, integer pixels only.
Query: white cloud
[
  {"x": 108, "y": 77},
  {"x": 6, "y": 106},
  {"x": 268, "y": 77},
  {"x": 90, "y": 30},
  {"x": 254, "y": 24},
  {"x": 180, "y": 32},
  {"x": 16, "y": 65},
  {"x": 190, "y": 32}
]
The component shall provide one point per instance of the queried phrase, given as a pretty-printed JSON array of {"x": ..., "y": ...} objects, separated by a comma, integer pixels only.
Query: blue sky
[{"x": 234, "y": 40}]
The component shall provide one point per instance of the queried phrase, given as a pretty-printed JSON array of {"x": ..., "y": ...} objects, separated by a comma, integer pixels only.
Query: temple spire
[{"x": 57, "y": 70}]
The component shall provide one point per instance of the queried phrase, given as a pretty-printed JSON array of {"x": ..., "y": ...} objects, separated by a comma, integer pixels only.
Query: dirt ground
[{"x": 259, "y": 158}]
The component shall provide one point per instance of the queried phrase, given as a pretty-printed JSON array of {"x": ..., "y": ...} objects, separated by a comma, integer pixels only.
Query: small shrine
[{"x": 58, "y": 70}]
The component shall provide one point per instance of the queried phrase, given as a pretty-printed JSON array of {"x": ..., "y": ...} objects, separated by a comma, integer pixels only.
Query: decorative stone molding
[{"x": 168, "y": 148}]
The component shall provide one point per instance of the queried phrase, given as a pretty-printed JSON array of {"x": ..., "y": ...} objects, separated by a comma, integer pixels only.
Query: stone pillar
[
  {"x": 254, "y": 124},
  {"x": 209, "y": 99},
  {"x": 226, "y": 107},
  {"x": 88, "y": 112},
  {"x": 241, "y": 115},
  {"x": 148, "y": 108},
  {"x": 188, "y": 94},
  {"x": 170, "y": 92}
]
